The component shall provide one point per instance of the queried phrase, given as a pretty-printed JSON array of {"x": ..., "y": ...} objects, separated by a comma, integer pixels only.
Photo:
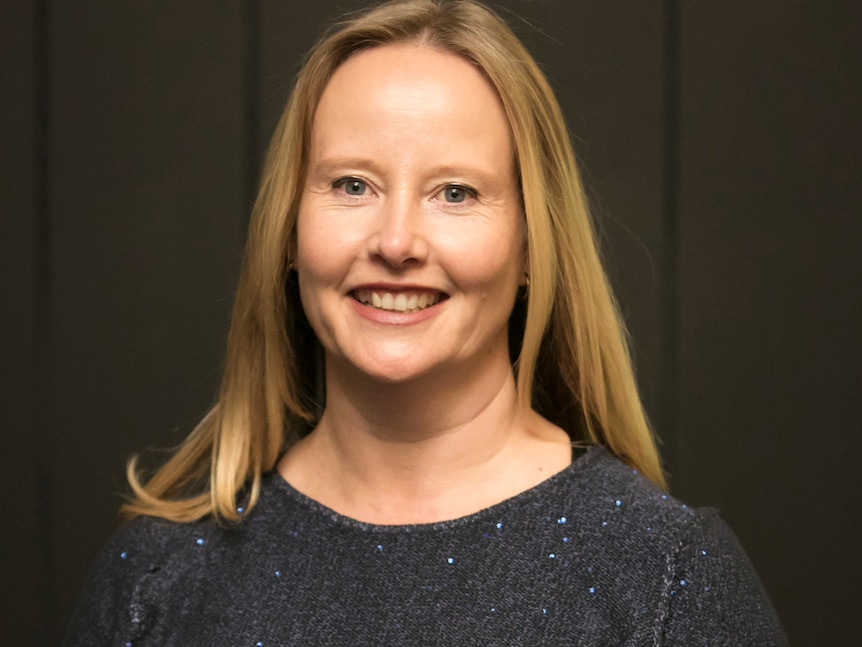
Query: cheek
[
  {"x": 319, "y": 253},
  {"x": 490, "y": 263}
]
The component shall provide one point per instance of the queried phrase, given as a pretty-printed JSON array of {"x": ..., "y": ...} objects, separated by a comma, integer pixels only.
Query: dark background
[{"x": 721, "y": 144}]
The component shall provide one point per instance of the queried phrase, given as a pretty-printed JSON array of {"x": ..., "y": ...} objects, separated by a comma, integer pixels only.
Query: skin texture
[{"x": 411, "y": 196}]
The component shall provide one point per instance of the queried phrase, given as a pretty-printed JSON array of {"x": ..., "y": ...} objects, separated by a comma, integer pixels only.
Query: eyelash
[
  {"x": 342, "y": 182},
  {"x": 470, "y": 192}
]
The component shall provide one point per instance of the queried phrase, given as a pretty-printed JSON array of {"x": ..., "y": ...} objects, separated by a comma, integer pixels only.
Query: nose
[{"x": 400, "y": 239}]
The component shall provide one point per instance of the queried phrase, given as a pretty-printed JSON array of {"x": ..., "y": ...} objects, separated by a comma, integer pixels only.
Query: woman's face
[{"x": 409, "y": 235}]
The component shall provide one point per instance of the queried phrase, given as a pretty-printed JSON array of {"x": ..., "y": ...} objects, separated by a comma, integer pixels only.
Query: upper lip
[{"x": 396, "y": 288}]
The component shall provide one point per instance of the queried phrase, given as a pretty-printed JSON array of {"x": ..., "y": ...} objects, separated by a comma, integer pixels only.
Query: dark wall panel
[
  {"x": 147, "y": 205},
  {"x": 24, "y": 569},
  {"x": 728, "y": 207},
  {"x": 771, "y": 360}
]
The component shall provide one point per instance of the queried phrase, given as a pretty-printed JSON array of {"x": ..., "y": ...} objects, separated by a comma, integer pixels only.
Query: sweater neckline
[{"x": 581, "y": 463}]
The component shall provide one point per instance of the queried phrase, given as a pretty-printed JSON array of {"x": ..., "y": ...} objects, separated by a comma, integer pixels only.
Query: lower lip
[{"x": 394, "y": 317}]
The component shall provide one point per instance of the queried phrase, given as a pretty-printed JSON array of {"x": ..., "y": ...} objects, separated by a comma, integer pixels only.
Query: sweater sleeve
[
  {"x": 714, "y": 596},
  {"x": 102, "y": 603},
  {"x": 137, "y": 586}
]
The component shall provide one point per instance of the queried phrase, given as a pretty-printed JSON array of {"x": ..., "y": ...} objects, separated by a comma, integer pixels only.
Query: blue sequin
[
  {"x": 201, "y": 541},
  {"x": 123, "y": 555},
  {"x": 703, "y": 552},
  {"x": 240, "y": 510},
  {"x": 379, "y": 548},
  {"x": 565, "y": 540},
  {"x": 258, "y": 644},
  {"x": 682, "y": 582},
  {"x": 592, "y": 589},
  {"x": 619, "y": 503},
  {"x": 128, "y": 644},
  {"x": 552, "y": 556},
  {"x": 499, "y": 525},
  {"x": 684, "y": 506},
  {"x": 545, "y": 611},
  {"x": 604, "y": 523},
  {"x": 278, "y": 573},
  {"x": 451, "y": 560},
  {"x": 562, "y": 520},
  {"x": 589, "y": 569},
  {"x": 664, "y": 496},
  {"x": 493, "y": 609}
]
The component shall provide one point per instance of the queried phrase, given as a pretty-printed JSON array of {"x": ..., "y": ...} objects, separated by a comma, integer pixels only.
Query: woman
[{"x": 428, "y": 430}]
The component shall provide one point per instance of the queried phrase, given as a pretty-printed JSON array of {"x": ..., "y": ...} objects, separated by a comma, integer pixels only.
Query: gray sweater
[{"x": 596, "y": 555}]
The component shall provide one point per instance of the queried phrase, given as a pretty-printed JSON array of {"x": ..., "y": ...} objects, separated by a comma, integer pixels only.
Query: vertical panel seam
[
  {"x": 251, "y": 100},
  {"x": 43, "y": 394},
  {"x": 669, "y": 307}
]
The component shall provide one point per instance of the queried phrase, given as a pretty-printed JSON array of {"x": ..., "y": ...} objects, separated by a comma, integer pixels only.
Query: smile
[{"x": 397, "y": 302}]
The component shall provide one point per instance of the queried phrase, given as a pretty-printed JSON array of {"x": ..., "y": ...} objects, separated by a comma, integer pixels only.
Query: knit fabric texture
[{"x": 595, "y": 555}]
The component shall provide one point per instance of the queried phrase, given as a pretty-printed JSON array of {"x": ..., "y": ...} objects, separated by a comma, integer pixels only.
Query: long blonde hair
[{"x": 567, "y": 341}]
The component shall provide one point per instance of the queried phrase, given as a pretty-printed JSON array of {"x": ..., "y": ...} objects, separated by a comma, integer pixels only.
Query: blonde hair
[{"x": 568, "y": 344}]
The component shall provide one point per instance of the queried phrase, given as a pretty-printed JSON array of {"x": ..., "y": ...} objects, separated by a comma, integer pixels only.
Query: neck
[{"x": 429, "y": 449}]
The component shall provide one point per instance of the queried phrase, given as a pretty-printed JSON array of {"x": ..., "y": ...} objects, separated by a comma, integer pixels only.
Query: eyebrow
[{"x": 333, "y": 164}]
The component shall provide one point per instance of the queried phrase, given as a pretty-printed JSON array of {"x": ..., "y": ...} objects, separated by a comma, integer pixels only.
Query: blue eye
[
  {"x": 351, "y": 186},
  {"x": 456, "y": 193}
]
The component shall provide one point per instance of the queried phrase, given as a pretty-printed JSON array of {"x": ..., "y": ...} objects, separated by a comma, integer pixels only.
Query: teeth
[{"x": 397, "y": 302}]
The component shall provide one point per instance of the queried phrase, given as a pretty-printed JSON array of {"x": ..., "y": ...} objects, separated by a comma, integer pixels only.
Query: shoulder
[
  {"x": 137, "y": 572},
  {"x": 696, "y": 577}
]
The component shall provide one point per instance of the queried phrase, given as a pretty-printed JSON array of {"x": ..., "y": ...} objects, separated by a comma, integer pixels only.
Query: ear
[
  {"x": 525, "y": 260},
  {"x": 291, "y": 249}
]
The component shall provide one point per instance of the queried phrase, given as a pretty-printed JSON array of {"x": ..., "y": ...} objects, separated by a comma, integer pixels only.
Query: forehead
[{"x": 410, "y": 90}]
